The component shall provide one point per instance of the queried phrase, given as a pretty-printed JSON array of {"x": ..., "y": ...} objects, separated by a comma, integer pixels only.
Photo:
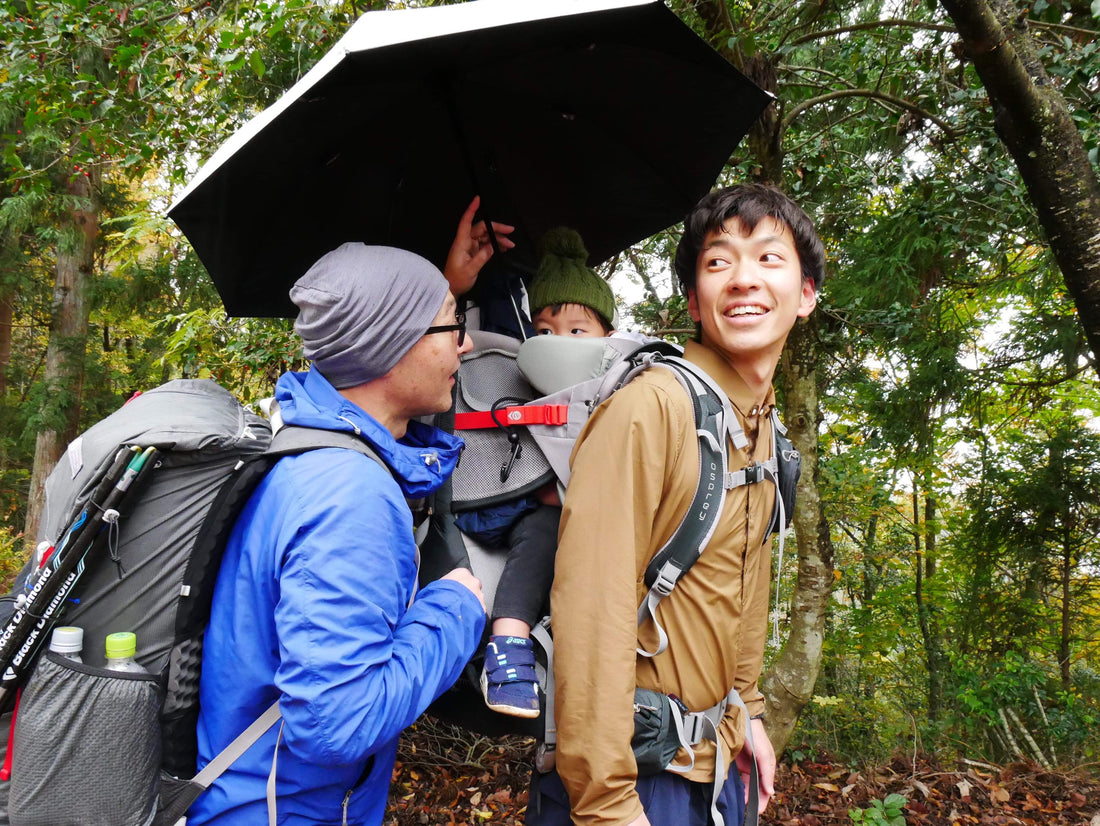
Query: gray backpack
[{"x": 130, "y": 547}]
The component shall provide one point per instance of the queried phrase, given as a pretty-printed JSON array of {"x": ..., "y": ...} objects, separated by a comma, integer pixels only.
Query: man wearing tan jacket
[{"x": 750, "y": 263}]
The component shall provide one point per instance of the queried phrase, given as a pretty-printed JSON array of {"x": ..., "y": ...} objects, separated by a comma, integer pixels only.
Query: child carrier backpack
[
  {"x": 138, "y": 512},
  {"x": 520, "y": 408}
]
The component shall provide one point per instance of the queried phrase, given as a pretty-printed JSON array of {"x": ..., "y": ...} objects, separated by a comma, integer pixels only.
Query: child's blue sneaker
[{"x": 508, "y": 680}]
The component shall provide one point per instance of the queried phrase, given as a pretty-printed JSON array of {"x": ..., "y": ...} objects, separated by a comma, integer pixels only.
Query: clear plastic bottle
[
  {"x": 68, "y": 641},
  {"x": 120, "y": 650}
]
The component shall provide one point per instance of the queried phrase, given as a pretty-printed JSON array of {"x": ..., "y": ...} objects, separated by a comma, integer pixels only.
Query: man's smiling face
[{"x": 748, "y": 293}]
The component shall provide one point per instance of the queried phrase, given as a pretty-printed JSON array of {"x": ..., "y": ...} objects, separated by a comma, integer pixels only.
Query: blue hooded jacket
[{"x": 314, "y": 606}]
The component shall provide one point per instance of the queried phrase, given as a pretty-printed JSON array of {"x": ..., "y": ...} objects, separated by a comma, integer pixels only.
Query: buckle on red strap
[{"x": 552, "y": 414}]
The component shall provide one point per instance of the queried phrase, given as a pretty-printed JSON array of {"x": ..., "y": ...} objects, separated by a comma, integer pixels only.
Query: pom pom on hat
[{"x": 562, "y": 242}]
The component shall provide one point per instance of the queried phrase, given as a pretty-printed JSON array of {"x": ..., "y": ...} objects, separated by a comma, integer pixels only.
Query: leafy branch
[
  {"x": 872, "y": 25},
  {"x": 882, "y": 97}
]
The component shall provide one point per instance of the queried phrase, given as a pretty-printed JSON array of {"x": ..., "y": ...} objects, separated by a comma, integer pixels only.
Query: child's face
[{"x": 571, "y": 320}]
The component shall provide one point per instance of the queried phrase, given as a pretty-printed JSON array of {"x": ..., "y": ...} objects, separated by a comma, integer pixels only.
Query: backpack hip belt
[{"x": 692, "y": 727}]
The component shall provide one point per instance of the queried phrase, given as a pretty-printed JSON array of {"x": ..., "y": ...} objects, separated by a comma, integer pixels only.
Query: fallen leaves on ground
[
  {"x": 971, "y": 792},
  {"x": 448, "y": 775}
]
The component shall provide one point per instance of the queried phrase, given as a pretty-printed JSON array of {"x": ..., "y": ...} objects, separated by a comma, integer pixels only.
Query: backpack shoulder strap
[
  {"x": 291, "y": 440},
  {"x": 712, "y": 417},
  {"x": 716, "y": 425},
  {"x": 787, "y": 472},
  {"x": 202, "y": 570}
]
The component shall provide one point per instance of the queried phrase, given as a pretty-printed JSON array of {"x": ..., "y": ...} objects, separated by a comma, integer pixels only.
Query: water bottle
[
  {"x": 120, "y": 652},
  {"x": 68, "y": 641}
]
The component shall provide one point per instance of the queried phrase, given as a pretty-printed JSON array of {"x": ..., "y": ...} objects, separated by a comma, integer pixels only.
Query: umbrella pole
[
  {"x": 515, "y": 305},
  {"x": 449, "y": 95},
  {"x": 510, "y": 279},
  {"x": 490, "y": 232}
]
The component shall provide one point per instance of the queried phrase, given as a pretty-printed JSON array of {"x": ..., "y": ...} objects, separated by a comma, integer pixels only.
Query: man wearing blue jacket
[{"x": 316, "y": 604}]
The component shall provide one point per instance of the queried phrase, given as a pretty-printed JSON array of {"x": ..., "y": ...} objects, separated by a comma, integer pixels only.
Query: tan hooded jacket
[{"x": 635, "y": 469}]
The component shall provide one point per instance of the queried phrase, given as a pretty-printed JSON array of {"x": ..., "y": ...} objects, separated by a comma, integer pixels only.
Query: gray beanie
[{"x": 362, "y": 308}]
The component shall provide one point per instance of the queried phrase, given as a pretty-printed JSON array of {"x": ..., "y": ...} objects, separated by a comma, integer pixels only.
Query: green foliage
[
  {"x": 801, "y": 753},
  {"x": 665, "y": 319},
  {"x": 981, "y": 694},
  {"x": 861, "y": 730},
  {"x": 885, "y": 812},
  {"x": 101, "y": 104},
  {"x": 13, "y": 554},
  {"x": 14, "y": 486},
  {"x": 1024, "y": 693},
  {"x": 132, "y": 88},
  {"x": 246, "y": 356}
]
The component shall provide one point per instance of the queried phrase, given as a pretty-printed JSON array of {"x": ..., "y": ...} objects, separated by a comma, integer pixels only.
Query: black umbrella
[{"x": 608, "y": 116}]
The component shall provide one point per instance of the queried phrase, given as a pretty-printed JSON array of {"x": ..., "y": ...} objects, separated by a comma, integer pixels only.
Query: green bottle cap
[{"x": 121, "y": 644}]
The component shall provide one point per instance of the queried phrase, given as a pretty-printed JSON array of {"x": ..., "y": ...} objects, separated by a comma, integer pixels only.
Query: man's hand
[
  {"x": 640, "y": 820},
  {"x": 463, "y": 576},
  {"x": 765, "y": 762},
  {"x": 471, "y": 249}
]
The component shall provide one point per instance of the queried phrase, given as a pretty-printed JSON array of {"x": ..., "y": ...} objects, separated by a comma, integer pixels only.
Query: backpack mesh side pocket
[{"x": 87, "y": 747}]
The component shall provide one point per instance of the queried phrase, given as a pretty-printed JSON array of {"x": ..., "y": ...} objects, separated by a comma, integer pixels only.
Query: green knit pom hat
[{"x": 562, "y": 277}]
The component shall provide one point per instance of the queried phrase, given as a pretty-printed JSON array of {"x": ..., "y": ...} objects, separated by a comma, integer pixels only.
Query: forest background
[{"x": 945, "y": 593}]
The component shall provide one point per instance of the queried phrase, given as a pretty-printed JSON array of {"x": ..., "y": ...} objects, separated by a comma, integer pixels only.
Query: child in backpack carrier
[{"x": 566, "y": 299}]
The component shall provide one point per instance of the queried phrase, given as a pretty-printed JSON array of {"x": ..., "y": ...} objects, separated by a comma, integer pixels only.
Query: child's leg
[
  {"x": 508, "y": 681},
  {"x": 510, "y": 627},
  {"x": 524, "y": 585}
]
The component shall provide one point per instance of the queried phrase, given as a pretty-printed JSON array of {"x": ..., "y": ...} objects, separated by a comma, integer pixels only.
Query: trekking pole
[
  {"x": 78, "y": 522},
  {"x": 29, "y": 626}
]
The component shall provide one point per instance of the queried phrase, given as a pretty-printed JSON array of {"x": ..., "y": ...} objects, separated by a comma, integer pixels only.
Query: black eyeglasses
[{"x": 460, "y": 325}]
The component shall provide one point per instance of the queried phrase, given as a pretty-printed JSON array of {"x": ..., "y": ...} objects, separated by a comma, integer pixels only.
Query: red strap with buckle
[{"x": 509, "y": 416}]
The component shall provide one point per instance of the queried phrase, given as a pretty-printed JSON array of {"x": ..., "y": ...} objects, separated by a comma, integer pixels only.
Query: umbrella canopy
[{"x": 608, "y": 116}]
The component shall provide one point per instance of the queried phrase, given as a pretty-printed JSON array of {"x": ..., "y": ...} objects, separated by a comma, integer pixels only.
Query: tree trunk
[
  {"x": 64, "y": 373},
  {"x": 1037, "y": 128},
  {"x": 924, "y": 613},
  {"x": 765, "y": 138},
  {"x": 789, "y": 684},
  {"x": 934, "y": 639},
  {"x": 7, "y": 314},
  {"x": 1064, "y": 638},
  {"x": 869, "y": 585}
]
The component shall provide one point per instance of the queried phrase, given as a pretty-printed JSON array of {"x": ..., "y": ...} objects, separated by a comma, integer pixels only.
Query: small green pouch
[{"x": 655, "y": 740}]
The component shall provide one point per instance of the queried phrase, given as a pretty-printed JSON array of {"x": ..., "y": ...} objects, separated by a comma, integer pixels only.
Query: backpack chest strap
[
  {"x": 756, "y": 472},
  {"x": 525, "y": 414}
]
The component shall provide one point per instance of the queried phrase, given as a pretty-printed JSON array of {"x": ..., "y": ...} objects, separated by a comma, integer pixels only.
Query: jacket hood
[{"x": 421, "y": 460}]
